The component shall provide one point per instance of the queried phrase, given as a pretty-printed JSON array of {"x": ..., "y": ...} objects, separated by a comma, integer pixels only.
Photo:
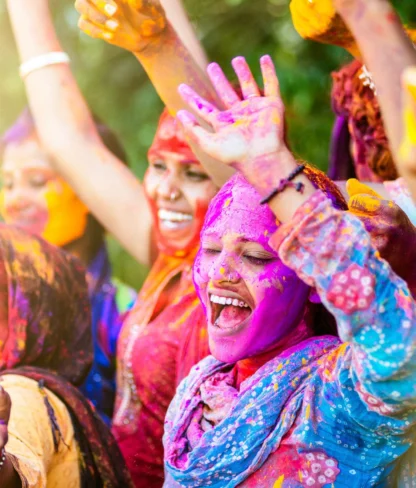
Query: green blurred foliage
[{"x": 119, "y": 92}]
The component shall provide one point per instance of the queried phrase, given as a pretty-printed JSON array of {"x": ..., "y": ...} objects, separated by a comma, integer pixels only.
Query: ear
[{"x": 314, "y": 297}]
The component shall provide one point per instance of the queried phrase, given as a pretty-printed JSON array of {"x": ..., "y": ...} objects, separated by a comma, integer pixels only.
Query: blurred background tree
[{"x": 119, "y": 92}]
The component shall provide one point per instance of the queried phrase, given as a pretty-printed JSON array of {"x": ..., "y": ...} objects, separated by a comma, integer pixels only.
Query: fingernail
[
  {"x": 107, "y": 35},
  {"x": 110, "y": 9},
  {"x": 213, "y": 67},
  {"x": 266, "y": 59},
  {"x": 183, "y": 88},
  {"x": 184, "y": 117},
  {"x": 112, "y": 24}
]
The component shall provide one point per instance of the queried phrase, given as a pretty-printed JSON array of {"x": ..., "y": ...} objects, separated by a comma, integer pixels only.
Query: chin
[{"x": 226, "y": 352}]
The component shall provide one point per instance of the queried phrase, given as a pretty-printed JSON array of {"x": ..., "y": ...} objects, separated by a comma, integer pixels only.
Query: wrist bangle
[
  {"x": 42, "y": 61},
  {"x": 283, "y": 184},
  {"x": 2, "y": 458}
]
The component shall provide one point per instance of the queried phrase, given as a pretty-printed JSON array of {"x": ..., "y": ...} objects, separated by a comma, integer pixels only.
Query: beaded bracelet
[
  {"x": 3, "y": 458},
  {"x": 283, "y": 184}
]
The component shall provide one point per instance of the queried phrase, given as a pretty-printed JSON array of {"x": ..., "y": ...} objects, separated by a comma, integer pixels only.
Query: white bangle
[{"x": 42, "y": 61}]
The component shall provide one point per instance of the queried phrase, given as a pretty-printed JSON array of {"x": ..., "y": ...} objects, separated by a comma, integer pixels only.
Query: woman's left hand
[
  {"x": 249, "y": 133},
  {"x": 392, "y": 233}
]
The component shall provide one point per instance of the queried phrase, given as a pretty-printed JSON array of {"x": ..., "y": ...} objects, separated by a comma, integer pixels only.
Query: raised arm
[
  {"x": 386, "y": 50},
  {"x": 66, "y": 129},
  {"x": 141, "y": 27}
]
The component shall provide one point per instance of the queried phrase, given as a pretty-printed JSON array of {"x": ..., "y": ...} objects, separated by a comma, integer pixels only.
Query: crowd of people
[{"x": 273, "y": 342}]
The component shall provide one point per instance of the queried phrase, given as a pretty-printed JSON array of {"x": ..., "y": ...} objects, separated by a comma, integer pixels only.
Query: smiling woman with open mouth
[{"x": 282, "y": 402}]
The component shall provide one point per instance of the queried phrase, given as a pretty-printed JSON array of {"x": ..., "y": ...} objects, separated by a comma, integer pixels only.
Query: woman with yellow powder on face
[
  {"x": 157, "y": 342},
  {"x": 34, "y": 197}
]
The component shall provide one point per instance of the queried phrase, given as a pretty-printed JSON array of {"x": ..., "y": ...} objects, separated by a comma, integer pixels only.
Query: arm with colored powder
[
  {"x": 386, "y": 51},
  {"x": 164, "y": 43},
  {"x": 67, "y": 131}
]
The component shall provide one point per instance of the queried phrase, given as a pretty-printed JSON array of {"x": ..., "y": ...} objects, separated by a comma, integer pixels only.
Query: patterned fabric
[
  {"x": 400, "y": 194},
  {"x": 359, "y": 106},
  {"x": 323, "y": 413},
  {"x": 110, "y": 300},
  {"x": 47, "y": 337},
  {"x": 153, "y": 346}
]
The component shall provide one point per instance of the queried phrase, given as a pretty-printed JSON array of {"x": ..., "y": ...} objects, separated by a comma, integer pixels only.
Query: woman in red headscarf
[{"x": 164, "y": 335}]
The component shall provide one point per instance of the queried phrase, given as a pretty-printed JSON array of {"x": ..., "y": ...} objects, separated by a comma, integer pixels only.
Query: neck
[{"x": 247, "y": 367}]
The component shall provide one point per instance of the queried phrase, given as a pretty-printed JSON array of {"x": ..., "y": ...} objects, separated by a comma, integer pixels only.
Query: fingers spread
[
  {"x": 270, "y": 80},
  {"x": 247, "y": 82},
  {"x": 222, "y": 86},
  {"x": 201, "y": 107}
]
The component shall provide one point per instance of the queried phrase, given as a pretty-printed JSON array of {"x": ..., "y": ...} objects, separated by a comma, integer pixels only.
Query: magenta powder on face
[{"x": 279, "y": 296}]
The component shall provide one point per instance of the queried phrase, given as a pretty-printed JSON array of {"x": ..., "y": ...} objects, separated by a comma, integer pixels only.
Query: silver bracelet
[
  {"x": 42, "y": 61},
  {"x": 3, "y": 458}
]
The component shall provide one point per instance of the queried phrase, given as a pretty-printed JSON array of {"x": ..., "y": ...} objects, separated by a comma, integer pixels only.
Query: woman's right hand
[
  {"x": 133, "y": 25},
  {"x": 5, "y": 408}
]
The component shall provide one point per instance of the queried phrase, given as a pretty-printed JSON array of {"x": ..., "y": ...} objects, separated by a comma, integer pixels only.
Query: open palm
[{"x": 249, "y": 128}]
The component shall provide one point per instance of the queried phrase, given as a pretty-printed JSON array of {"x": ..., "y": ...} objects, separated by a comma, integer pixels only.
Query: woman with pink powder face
[{"x": 279, "y": 402}]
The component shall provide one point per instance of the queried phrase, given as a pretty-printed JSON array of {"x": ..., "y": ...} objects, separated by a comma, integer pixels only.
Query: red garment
[{"x": 152, "y": 345}]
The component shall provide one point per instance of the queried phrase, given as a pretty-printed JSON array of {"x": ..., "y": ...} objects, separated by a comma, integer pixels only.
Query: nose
[
  {"x": 169, "y": 187},
  {"x": 15, "y": 197},
  {"x": 224, "y": 270}
]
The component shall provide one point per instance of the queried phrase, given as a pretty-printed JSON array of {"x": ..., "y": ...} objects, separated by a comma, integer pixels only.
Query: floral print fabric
[{"x": 325, "y": 412}]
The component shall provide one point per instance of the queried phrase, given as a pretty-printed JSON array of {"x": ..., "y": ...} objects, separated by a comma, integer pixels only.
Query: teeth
[
  {"x": 228, "y": 301},
  {"x": 168, "y": 215}
]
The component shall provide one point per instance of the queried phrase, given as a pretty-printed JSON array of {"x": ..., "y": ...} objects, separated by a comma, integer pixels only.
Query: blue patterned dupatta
[{"x": 266, "y": 408}]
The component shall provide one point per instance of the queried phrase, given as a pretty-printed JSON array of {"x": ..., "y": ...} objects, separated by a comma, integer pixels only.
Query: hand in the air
[
  {"x": 392, "y": 233},
  {"x": 249, "y": 130},
  {"x": 5, "y": 407},
  {"x": 130, "y": 24},
  {"x": 320, "y": 21}
]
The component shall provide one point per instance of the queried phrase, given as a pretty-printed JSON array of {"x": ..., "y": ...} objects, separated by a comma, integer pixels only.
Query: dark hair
[{"x": 25, "y": 126}]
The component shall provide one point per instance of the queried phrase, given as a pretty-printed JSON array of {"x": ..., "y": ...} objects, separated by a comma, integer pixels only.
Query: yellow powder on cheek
[{"x": 67, "y": 214}]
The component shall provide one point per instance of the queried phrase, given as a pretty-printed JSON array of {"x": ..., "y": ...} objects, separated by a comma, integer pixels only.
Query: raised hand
[
  {"x": 392, "y": 233},
  {"x": 250, "y": 129},
  {"x": 319, "y": 20},
  {"x": 133, "y": 25},
  {"x": 5, "y": 407}
]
